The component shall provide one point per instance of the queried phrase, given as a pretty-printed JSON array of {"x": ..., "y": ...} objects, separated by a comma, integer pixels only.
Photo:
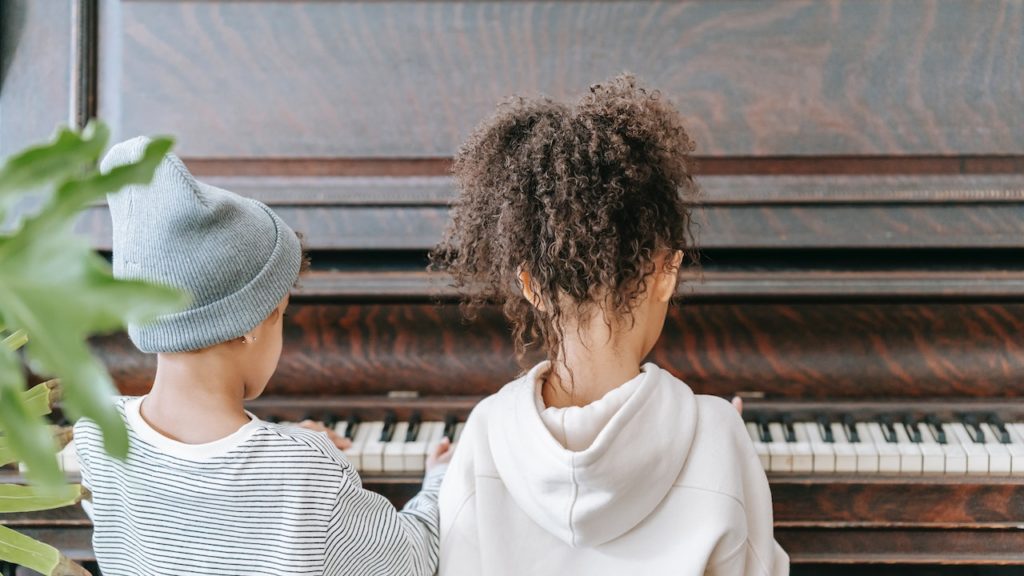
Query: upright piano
[{"x": 862, "y": 225}]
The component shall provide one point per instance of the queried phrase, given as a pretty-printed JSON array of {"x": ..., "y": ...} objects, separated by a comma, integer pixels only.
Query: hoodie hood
[{"x": 595, "y": 495}]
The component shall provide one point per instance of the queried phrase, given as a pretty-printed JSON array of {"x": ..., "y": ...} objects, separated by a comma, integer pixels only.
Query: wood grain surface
[
  {"x": 804, "y": 351},
  {"x": 409, "y": 79}
]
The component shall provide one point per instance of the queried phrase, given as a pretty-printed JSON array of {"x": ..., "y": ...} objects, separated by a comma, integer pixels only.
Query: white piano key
[
  {"x": 373, "y": 449},
  {"x": 781, "y": 455},
  {"x": 823, "y": 456},
  {"x": 933, "y": 455},
  {"x": 416, "y": 451},
  {"x": 911, "y": 458},
  {"x": 955, "y": 456},
  {"x": 977, "y": 456},
  {"x": 341, "y": 428},
  {"x": 867, "y": 453},
  {"x": 759, "y": 447},
  {"x": 999, "y": 461},
  {"x": 458, "y": 432},
  {"x": 394, "y": 451},
  {"x": 846, "y": 453},
  {"x": 888, "y": 453},
  {"x": 436, "y": 435},
  {"x": 1016, "y": 448},
  {"x": 803, "y": 455},
  {"x": 354, "y": 454}
]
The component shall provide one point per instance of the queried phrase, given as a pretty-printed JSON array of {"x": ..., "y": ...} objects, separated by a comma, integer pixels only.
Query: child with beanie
[{"x": 207, "y": 487}]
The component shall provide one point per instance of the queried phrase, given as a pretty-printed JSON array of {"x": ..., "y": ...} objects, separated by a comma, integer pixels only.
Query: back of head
[
  {"x": 581, "y": 196},
  {"x": 232, "y": 255}
]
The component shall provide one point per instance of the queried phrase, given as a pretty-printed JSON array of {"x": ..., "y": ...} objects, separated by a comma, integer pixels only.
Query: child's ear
[
  {"x": 668, "y": 279},
  {"x": 526, "y": 285}
]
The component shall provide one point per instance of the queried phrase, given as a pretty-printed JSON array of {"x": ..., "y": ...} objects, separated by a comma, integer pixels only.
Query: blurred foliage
[{"x": 55, "y": 292}]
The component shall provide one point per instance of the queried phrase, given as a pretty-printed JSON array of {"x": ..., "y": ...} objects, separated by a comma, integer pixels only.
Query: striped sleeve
[
  {"x": 367, "y": 535},
  {"x": 84, "y": 464},
  {"x": 81, "y": 452}
]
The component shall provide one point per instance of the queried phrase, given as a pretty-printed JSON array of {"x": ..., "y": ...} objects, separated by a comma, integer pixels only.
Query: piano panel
[
  {"x": 360, "y": 79},
  {"x": 863, "y": 170},
  {"x": 794, "y": 350},
  {"x": 740, "y": 227}
]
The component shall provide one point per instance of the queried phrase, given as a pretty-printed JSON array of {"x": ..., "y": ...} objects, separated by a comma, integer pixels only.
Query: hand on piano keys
[
  {"x": 391, "y": 446},
  {"x": 970, "y": 444},
  {"x": 341, "y": 442}
]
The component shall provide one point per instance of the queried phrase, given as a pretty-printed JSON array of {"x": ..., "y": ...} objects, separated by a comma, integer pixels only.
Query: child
[
  {"x": 207, "y": 487},
  {"x": 573, "y": 217}
]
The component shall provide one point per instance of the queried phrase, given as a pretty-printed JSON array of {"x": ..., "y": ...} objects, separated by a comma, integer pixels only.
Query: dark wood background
[
  {"x": 408, "y": 80},
  {"x": 862, "y": 220}
]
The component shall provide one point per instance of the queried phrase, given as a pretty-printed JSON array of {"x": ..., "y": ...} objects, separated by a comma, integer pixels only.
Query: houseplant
[{"x": 55, "y": 292}]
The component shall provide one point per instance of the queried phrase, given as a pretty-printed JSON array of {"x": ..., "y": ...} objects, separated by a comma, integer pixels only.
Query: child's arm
[
  {"x": 367, "y": 535},
  {"x": 760, "y": 554},
  {"x": 82, "y": 453}
]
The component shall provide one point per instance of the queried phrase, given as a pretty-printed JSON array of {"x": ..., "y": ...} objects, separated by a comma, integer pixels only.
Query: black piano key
[
  {"x": 331, "y": 420},
  {"x": 390, "y": 419},
  {"x": 850, "y": 427},
  {"x": 935, "y": 425},
  {"x": 999, "y": 427},
  {"x": 888, "y": 430},
  {"x": 350, "y": 430},
  {"x": 449, "y": 427},
  {"x": 763, "y": 432},
  {"x": 413, "y": 431},
  {"x": 273, "y": 419},
  {"x": 788, "y": 432},
  {"x": 825, "y": 429},
  {"x": 912, "y": 428},
  {"x": 970, "y": 422}
]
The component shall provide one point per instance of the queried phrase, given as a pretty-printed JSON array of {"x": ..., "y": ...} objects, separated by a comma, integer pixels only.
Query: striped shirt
[{"x": 268, "y": 499}]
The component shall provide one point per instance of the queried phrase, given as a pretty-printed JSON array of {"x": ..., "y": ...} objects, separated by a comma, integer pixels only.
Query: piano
[{"x": 862, "y": 225}]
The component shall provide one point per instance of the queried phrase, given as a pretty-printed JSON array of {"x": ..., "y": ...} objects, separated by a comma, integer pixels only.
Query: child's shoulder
[
  {"x": 301, "y": 442},
  {"x": 721, "y": 455},
  {"x": 85, "y": 430}
]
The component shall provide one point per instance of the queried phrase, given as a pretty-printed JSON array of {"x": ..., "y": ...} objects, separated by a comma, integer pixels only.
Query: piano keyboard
[
  {"x": 972, "y": 444},
  {"x": 386, "y": 446},
  {"x": 977, "y": 445}
]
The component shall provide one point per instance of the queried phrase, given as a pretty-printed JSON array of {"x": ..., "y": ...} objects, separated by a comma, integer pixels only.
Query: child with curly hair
[{"x": 576, "y": 218}]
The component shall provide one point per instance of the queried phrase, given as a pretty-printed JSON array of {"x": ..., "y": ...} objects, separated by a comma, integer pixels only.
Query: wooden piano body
[{"x": 862, "y": 226}]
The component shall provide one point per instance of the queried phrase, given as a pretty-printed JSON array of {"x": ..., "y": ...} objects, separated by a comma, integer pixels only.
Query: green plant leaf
[
  {"x": 15, "y": 341},
  {"x": 26, "y": 433},
  {"x": 39, "y": 400},
  {"x": 62, "y": 436},
  {"x": 18, "y": 498},
  {"x": 68, "y": 154},
  {"x": 58, "y": 290},
  {"x": 19, "y": 549},
  {"x": 76, "y": 193}
]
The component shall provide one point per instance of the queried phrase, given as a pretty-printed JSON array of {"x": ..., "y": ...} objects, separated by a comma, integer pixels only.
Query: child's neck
[
  {"x": 589, "y": 370},
  {"x": 195, "y": 399}
]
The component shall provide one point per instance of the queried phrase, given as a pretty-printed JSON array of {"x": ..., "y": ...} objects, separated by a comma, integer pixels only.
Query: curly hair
[{"x": 581, "y": 196}]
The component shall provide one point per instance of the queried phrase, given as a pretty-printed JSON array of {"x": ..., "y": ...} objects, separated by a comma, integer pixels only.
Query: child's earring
[{"x": 247, "y": 339}]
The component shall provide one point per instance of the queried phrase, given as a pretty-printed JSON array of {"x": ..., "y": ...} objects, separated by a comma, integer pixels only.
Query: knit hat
[{"x": 232, "y": 255}]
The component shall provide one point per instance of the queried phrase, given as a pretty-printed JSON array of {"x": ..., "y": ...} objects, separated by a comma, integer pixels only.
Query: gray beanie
[{"x": 232, "y": 255}]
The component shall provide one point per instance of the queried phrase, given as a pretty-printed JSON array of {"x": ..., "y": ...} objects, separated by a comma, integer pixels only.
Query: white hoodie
[{"x": 658, "y": 481}]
